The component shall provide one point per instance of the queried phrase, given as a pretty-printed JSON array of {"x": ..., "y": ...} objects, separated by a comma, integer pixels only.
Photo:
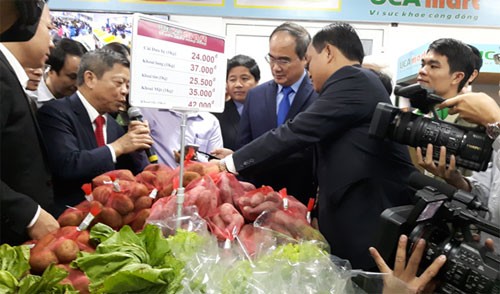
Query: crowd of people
[{"x": 306, "y": 130}]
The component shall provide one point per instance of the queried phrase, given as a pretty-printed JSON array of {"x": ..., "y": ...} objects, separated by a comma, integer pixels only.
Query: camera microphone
[
  {"x": 135, "y": 113},
  {"x": 419, "y": 181}
]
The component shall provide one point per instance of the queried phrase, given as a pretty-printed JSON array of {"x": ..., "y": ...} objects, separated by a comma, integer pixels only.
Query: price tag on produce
[{"x": 174, "y": 67}]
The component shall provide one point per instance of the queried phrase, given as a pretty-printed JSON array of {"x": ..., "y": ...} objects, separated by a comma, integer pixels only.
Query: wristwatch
[{"x": 493, "y": 130}]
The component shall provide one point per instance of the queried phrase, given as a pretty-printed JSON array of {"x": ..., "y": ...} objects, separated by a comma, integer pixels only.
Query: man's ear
[
  {"x": 89, "y": 79},
  {"x": 330, "y": 52},
  {"x": 473, "y": 76},
  {"x": 457, "y": 77}
]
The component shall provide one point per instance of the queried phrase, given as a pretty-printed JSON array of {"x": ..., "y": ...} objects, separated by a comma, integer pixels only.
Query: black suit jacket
[
  {"x": 358, "y": 176},
  {"x": 294, "y": 171},
  {"x": 26, "y": 179},
  {"x": 74, "y": 156},
  {"x": 229, "y": 121}
]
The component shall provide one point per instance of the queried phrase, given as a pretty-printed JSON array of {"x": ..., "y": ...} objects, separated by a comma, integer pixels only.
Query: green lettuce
[
  {"x": 126, "y": 262},
  {"x": 15, "y": 260},
  {"x": 47, "y": 283}
]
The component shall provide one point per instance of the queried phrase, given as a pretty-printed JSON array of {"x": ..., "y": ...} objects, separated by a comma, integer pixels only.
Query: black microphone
[
  {"x": 135, "y": 113},
  {"x": 419, "y": 181}
]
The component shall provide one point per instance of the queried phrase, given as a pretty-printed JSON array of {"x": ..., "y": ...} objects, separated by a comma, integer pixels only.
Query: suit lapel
[
  {"x": 83, "y": 119},
  {"x": 233, "y": 115},
  {"x": 32, "y": 111},
  {"x": 270, "y": 102},
  {"x": 113, "y": 130},
  {"x": 301, "y": 97}
]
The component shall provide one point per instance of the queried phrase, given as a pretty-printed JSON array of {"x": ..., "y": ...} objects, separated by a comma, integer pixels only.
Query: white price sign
[{"x": 176, "y": 68}]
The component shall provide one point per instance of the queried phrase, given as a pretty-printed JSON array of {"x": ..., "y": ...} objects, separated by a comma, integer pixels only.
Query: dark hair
[
  {"x": 246, "y": 61},
  {"x": 460, "y": 57},
  {"x": 385, "y": 79},
  {"x": 119, "y": 48},
  {"x": 478, "y": 60},
  {"x": 99, "y": 61},
  {"x": 302, "y": 37},
  {"x": 63, "y": 48},
  {"x": 343, "y": 37}
]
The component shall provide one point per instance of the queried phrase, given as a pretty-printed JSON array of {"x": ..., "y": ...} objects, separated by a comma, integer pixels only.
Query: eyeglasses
[{"x": 283, "y": 62}]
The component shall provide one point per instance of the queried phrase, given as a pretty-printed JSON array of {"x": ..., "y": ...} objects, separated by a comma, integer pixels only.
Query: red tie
[{"x": 99, "y": 134}]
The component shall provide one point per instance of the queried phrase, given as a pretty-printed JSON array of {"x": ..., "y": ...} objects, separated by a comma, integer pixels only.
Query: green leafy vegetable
[
  {"x": 47, "y": 283},
  {"x": 126, "y": 262},
  {"x": 8, "y": 283},
  {"x": 15, "y": 260}
]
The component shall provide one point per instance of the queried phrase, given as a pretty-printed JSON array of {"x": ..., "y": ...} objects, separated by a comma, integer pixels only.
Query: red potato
[
  {"x": 71, "y": 217},
  {"x": 252, "y": 207},
  {"x": 121, "y": 174},
  {"x": 43, "y": 242},
  {"x": 246, "y": 236},
  {"x": 139, "y": 190},
  {"x": 102, "y": 193},
  {"x": 120, "y": 203},
  {"x": 129, "y": 217},
  {"x": 142, "y": 203},
  {"x": 133, "y": 189},
  {"x": 110, "y": 217},
  {"x": 247, "y": 186},
  {"x": 148, "y": 178},
  {"x": 164, "y": 178},
  {"x": 196, "y": 167},
  {"x": 165, "y": 192},
  {"x": 163, "y": 208},
  {"x": 83, "y": 241},
  {"x": 40, "y": 260},
  {"x": 158, "y": 167},
  {"x": 217, "y": 221},
  {"x": 83, "y": 206},
  {"x": 140, "y": 219},
  {"x": 210, "y": 168},
  {"x": 206, "y": 201},
  {"x": 79, "y": 280},
  {"x": 69, "y": 231},
  {"x": 226, "y": 193},
  {"x": 67, "y": 251},
  {"x": 223, "y": 223},
  {"x": 190, "y": 177},
  {"x": 100, "y": 180}
]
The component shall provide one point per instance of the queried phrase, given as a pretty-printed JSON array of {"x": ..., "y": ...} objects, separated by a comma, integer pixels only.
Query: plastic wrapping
[{"x": 278, "y": 263}]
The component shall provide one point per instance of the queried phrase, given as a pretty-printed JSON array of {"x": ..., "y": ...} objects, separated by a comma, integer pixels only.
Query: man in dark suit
[
  {"x": 358, "y": 176},
  {"x": 287, "y": 47},
  {"x": 25, "y": 193},
  {"x": 77, "y": 153},
  {"x": 242, "y": 74}
]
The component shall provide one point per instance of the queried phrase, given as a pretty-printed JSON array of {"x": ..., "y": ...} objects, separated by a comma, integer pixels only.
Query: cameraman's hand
[
  {"x": 450, "y": 174},
  {"x": 403, "y": 279},
  {"x": 477, "y": 108}
]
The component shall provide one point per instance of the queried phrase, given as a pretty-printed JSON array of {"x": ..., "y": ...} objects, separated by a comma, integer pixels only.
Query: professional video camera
[
  {"x": 471, "y": 146},
  {"x": 444, "y": 221}
]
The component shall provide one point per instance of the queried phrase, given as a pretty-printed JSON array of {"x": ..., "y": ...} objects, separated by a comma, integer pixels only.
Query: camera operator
[
  {"x": 481, "y": 109},
  {"x": 403, "y": 278}
]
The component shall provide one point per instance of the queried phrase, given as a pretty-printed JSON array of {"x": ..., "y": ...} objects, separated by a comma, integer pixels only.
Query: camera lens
[{"x": 472, "y": 149}]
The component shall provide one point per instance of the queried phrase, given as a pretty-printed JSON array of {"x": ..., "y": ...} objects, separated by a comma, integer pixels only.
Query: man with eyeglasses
[
  {"x": 358, "y": 176},
  {"x": 266, "y": 107}
]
